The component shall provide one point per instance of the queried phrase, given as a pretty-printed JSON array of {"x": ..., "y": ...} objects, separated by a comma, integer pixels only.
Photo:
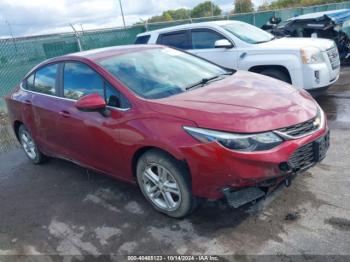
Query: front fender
[
  {"x": 290, "y": 61},
  {"x": 165, "y": 133}
]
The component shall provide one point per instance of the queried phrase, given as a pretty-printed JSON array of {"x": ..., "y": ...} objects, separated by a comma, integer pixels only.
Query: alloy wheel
[
  {"x": 28, "y": 144},
  {"x": 161, "y": 187}
]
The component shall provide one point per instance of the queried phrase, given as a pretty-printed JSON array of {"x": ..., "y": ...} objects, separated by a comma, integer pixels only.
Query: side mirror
[
  {"x": 92, "y": 102},
  {"x": 223, "y": 43}
]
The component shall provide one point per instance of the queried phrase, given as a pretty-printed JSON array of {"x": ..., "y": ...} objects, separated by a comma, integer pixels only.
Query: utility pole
[
  {"x": 121, "y": 10},
  {"x": 212, "y": 8},
  {"x": 10, "y": 28},
  {"x": 11, "y": 33},
  {"x": 82, "y": 29}
]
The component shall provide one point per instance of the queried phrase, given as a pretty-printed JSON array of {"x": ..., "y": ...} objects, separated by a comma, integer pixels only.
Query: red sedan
[{"x": 179, "y": 126}]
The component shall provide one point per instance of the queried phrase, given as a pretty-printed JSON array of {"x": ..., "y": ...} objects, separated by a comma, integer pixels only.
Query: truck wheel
[
  {"x": 29, "y": 146},
  {"x": 277, "y": 74},
  {"x": 165, "y": 184}
]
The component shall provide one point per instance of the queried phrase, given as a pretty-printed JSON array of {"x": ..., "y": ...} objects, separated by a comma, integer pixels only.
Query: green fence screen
[{"x": 19, "y": 55}]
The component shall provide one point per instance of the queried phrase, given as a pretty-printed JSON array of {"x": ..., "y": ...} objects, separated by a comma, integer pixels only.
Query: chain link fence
[{"x": 19, "y": 55}]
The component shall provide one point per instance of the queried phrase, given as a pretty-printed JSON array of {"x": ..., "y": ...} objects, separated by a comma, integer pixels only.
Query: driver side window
[
  {"x": 80, "y": 80},
  {"x": 205, "y": 38}
]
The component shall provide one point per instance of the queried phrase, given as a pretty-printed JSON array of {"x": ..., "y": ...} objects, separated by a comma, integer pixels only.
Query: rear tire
[
  {"x": 165, "y": 183},
  {"x": 29, "y": 146},
  {"x": 277, "y": 74}
]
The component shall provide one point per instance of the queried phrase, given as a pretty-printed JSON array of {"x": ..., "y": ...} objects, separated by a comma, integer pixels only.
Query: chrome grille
[
  {"x": 333, "y": 56},
  {"x": 300, "y": 129},
  {"x": 302, "y": 158}
]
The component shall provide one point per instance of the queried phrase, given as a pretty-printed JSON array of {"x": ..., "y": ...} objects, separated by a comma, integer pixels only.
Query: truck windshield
[
  {"x": 162, "y": 72},
  {"x": 248, "y": 33}
]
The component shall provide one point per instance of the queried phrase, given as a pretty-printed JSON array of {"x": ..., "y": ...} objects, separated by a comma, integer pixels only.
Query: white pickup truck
[{"x": 308, "y": 63}]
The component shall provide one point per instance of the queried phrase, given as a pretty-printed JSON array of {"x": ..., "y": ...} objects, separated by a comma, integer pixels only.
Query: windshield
[
  {"x": 248, "y": 33},
  {"x": 160, "y": 72}
]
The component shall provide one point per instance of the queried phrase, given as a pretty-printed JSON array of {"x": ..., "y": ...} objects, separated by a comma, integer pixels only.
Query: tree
[
  {"x": 170, "y": 15},
  {"x": 180, "y": 14},
  {"x": 167, "y": 16},
  {"x": 243, "y": 6},
  {"x": 281, "y": 4},
  {"x": 205, "y": 9}
]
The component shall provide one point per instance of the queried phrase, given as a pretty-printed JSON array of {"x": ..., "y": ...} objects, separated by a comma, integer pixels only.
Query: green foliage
[
  {"x": 170, "y": 15},
  {"x": 205, "y": 9},
  {"x": 280, "y": 4},
  {"x": 243, "y": 6}
]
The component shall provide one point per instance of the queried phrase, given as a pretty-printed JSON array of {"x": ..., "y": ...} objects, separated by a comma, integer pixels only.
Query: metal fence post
[{"x": 77, "y": 37}]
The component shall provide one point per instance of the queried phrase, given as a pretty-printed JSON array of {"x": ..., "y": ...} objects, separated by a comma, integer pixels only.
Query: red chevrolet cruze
[{"x": 179, "y": 126}]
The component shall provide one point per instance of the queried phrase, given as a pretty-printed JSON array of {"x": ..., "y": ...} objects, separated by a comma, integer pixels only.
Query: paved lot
[{"x": 60, "y": 208}]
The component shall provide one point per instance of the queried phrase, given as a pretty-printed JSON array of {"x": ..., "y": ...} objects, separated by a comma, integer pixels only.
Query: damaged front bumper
[
  {"x": 241, "y": 197},
  {"x": 302, "y": 159}
]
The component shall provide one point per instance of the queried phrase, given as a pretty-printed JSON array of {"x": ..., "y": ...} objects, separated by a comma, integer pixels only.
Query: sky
[{"x": 35, "y": 17}]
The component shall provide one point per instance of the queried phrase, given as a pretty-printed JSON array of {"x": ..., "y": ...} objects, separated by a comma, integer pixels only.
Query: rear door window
[
  {"x": 29, "y": 83},
  {"x": 45, "y": 80},
  {"x": 142, "y": 39},
  {"x": 179, "y": 39},
  {"x": 204, "y": 38}
]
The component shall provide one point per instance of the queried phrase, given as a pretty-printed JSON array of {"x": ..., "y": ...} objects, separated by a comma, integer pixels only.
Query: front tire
[
  {"x": 29, "y": 146},
  {"x": 165, "y": 184},
  {"x": 277, "y": 74}
]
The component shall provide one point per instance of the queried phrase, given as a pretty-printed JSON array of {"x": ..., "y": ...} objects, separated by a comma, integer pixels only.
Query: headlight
[
  {"x": 239, "y": 142},
  {"x": 311, "y": 55},
  {"x": 320, "y": 117}
]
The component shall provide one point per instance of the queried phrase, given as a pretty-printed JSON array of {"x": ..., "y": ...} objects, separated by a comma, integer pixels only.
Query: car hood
[
  {"x": 244, "y": 103},
  {"x": 297, "y": 43}
]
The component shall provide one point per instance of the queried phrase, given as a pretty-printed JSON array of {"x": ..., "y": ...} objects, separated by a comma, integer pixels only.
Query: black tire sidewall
[
  {"x": 179, "y": 174},
  {"x": 277, "y": 74}
]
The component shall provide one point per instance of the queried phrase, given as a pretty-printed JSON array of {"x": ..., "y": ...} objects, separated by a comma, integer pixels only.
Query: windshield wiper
[{"x": 205, "y": 81}]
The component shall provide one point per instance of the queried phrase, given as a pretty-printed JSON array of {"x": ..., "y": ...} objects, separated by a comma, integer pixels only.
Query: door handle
[
  {"x": 65, "y": 114},
  {"x": 27, "y": 102}
]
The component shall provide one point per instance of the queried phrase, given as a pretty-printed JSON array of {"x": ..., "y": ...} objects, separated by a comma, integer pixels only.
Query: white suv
[{"x": 307, "y": 63}]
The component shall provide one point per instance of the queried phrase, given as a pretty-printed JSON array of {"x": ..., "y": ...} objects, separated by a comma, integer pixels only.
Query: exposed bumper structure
[{"x": 215, "y": 168}]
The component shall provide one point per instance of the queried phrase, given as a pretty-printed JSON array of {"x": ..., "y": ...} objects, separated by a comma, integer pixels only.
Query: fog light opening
[
  {"x": 285, "y": 167},
  {"x": 317, "y": 77}
]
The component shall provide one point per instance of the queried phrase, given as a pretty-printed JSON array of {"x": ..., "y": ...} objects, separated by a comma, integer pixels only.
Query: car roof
[
  {"x": 191, "y": 25},
  {"x": 101, "y": 53},
  {"x": 95, "y": 55}
]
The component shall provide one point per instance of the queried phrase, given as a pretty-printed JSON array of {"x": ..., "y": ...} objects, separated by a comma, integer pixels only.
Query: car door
[
  {"x": 91, "y": 138},
  {"x": 45, "y": 107},
  {"x": 203, "y": 44}
]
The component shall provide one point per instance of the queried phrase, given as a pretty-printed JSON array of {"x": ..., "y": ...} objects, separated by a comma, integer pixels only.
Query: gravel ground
[
  {"x": 7, "y": 140},
  {"x": 61, "y": 209}
]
